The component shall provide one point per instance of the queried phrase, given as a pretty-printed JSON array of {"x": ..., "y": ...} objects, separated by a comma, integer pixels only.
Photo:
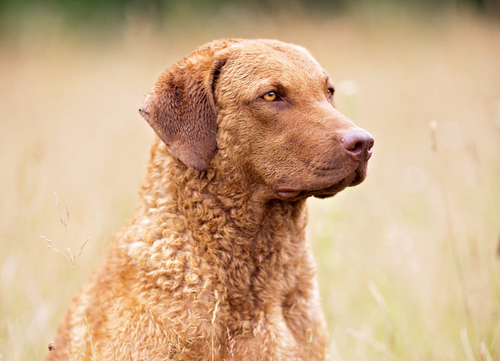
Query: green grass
[{"x": 408, "y": 262}]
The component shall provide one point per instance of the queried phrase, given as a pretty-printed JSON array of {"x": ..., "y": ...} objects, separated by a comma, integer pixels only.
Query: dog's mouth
[
  {"x": 322, "y": 189},
  {"x": 352, "y": 180},
  {"x": 287, "y": 193}
]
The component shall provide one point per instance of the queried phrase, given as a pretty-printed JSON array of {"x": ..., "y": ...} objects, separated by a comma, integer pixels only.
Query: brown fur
[{"x": 214, "y": 262}]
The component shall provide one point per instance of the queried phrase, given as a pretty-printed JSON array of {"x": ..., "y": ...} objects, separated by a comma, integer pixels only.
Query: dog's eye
[
  {"x": 329, "y": 93},
  {"x": 270, "y": 97}
]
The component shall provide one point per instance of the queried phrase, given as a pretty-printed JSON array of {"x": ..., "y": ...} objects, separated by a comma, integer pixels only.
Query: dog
[{"x": 214, "y": 264}]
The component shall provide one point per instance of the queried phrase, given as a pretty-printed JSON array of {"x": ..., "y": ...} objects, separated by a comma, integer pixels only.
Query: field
[{"x": 408, "y": 262}]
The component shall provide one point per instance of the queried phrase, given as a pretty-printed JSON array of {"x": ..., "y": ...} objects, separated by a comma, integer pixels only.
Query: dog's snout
[{"x": 359, "y": 144}]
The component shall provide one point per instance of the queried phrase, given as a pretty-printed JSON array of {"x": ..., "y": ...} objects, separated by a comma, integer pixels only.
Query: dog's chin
[
  {"x": 351, "y": 180},
  {"x": 325, "y": 191}
]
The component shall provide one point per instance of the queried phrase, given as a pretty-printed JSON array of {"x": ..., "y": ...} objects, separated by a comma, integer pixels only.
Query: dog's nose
[{"x": 359, "y": 144}]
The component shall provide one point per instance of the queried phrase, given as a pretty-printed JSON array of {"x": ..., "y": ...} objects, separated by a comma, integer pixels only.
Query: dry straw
[
  {"x": 90, "y": 336},
  {"x": 64, "y": 221},
  {"x": 230, "y": 349},
  {"x": 395, "y": 325},
  {"x": 466, "y": 344},
  {"x": 372, "y": 342},
  {"x": 216, "y": 308},
  {"x": 451, "y": 230},
  {"x": 484, "y": 353},
  {"x": 309, "y": 336}
]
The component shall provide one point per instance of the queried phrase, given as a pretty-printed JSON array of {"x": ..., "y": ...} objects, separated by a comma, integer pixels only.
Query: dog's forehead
[{"x": 274, "y": 58}]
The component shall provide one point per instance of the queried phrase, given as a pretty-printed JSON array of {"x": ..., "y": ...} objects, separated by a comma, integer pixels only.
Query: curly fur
[{"x": 214, "y": 264}]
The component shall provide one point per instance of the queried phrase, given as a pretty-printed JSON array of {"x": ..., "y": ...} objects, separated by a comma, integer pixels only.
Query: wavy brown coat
[{"x": 214, "y": 264}]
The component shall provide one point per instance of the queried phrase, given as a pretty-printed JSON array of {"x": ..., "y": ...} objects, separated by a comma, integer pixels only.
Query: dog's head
[{"x": 271, "y": 103}]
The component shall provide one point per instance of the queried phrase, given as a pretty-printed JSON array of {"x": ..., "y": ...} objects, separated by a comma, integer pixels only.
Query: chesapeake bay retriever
[{"x": 214, "y": 264}]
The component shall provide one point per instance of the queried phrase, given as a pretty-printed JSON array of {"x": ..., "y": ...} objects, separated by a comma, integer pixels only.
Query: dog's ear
[{"x": 181, "y": 107}]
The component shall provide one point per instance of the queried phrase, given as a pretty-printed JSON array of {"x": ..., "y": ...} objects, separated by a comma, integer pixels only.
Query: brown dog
[{"x": 214, "y": 264}]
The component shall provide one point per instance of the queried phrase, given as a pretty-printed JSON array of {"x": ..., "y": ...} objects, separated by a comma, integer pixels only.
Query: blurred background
[{"x": 408, "y": 262}]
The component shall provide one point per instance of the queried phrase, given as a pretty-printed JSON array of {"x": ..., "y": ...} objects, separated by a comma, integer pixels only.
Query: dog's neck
[
  {"x": 219, "y": 199},
  {"x": 226, "y": 227}
]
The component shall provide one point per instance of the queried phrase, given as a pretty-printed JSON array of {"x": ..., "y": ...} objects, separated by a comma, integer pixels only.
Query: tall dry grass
[{"x": 408, "y": 262}]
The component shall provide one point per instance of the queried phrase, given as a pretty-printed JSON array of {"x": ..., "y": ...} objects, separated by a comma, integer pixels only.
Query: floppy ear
[{"x": 181, "y": 107}]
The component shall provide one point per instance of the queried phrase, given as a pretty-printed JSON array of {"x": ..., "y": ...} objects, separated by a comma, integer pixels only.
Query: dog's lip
[
  {"x": 287, "y": 193},
  {"x": 290, "y": 194},
  {"x": 359, "y": 178},
  {"x": 326, "y": 189}
]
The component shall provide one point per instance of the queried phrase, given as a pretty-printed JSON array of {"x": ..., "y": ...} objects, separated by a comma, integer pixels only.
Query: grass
[
  {"x": 309, "y": 336},
  {"x": 64, "y": 221},
  {"x": 93, "y": 350},
  {"x": 407, "y": 262}
]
